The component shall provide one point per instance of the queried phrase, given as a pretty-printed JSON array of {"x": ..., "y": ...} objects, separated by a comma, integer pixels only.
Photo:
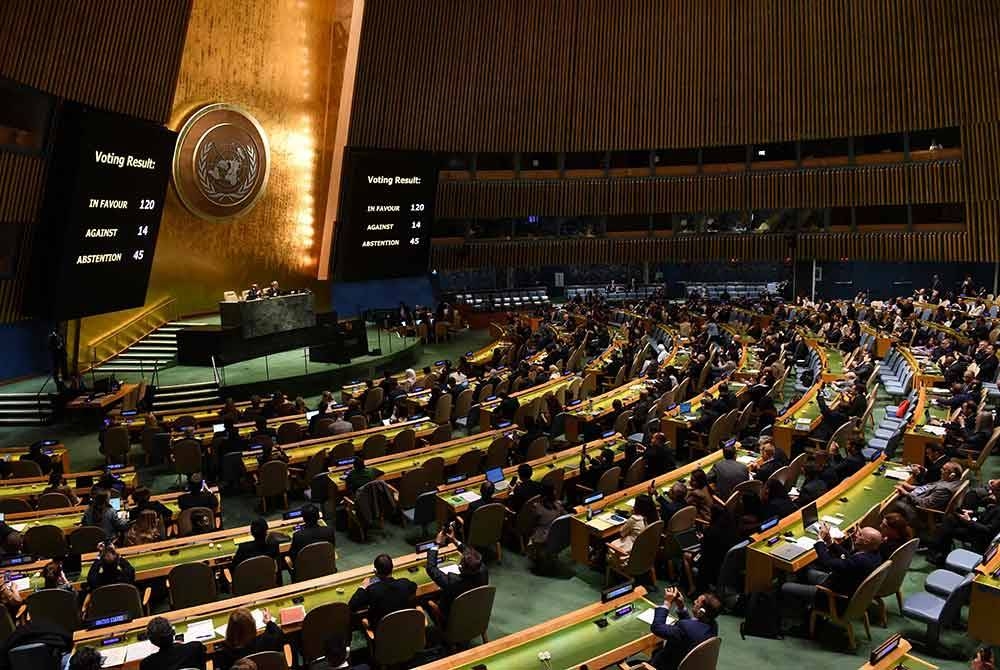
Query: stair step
[
  {"x": 146, "y": 358},
  {"x": 25, "y": 412},
  {"x": 187, "y": 387},
  {"x": 25, "y": 421},
  {"x": 24, "y": 396},
  {"x": 154, "y": 346},
  {"x": 161, "y": 393},
  {"x": 187, "y": 402},
  {"x": 43, "y": 402}
]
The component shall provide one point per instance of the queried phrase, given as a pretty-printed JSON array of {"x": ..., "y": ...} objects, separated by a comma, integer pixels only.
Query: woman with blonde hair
[{"x": 242, "y": 639}]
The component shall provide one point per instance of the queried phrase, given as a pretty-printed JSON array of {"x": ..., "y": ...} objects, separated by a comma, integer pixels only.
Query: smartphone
[{"x": 298, "y": 600}]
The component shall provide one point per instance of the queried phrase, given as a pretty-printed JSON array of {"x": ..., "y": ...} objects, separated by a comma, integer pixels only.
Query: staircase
[
  {"x": 182, "y": 396},
  {"x": 26, "y": 409},
  {"x": 155, "y": 351}
]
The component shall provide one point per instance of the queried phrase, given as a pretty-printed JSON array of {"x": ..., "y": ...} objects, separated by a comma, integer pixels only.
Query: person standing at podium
[
  {"x": 253, "y": 293},
  {"x": 273, "y": 291}
]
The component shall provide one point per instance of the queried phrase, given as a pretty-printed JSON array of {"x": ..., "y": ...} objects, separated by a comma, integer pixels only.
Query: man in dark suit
[
  {"x": 171, "y": 655},
  {"x": 935, "y": 458},
  {"x": 198, "y": 494},
  {"x": 258, "y": 546},
  {"x": 659, "y": 456},
  {"x": 768, "y": 463},
  {"x": 524, "y": 489},
  {"x": 837, "y": 567},
  {"x": 691, "y": 629},
  {"x": 383, "y": 594},
  {"x": 109, "y": 568},
  {"x": 728, "y": 473},
  {"x": 838, "y": 469},
  {"x": 471, "y": 573},
  {"x": 311, "y": 532}
]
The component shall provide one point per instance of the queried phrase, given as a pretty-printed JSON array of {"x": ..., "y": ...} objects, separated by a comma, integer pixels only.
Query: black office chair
[{"x": 36, "y": 656}]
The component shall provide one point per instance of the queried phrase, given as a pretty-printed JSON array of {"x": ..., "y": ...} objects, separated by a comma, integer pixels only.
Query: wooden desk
[
  {"x": 523, "y": 397},
  {"x": 68, "y": 518},
  {"x": 601, "y": 527},
  {"x": 601, "y": 406},
  {"x": 673, "y": 422},
  {"x": 863, "y": 491},
  {"x": 916, "y": 439},
  {"x": 103, "y": 401},
  {"x": 451, "y": 504},
  {"x": 335, "y": 588},
  {"x": 157, "y": 559},
  {"x": 985, "y": 603},
  {"x": 300, "y": 452},
  {"x": 29, "y": 488},
  {"x": 57, "y": 452},
  {"x": 572, "y": 639},
  {"x": 394, "y": 466},
  {"x": 900, "y": 656}
]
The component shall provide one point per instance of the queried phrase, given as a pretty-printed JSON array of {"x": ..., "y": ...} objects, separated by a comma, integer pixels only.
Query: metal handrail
[{"x": 148, "y": 328}]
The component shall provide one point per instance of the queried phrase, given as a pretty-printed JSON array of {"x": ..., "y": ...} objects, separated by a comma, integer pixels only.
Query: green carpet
[{"x": 524, "y": 599}]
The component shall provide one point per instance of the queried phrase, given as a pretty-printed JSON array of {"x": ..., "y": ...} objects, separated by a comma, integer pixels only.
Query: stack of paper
[
  {"x": 935, "y": 430},
  {"x": 139, "y": 650},
  {"x": 902, "y": 474},
  {"x": 200, "y": 631},
  {"x": 469, "y": 496}
]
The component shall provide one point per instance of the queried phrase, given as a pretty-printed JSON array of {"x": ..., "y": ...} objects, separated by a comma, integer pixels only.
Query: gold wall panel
[{"x": 283, "y": 61}]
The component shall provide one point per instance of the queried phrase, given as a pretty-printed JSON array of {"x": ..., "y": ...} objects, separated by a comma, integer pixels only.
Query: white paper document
[
  {"x": 112, "y": 657},
  {"x": 901, "y": 474},
  {"x": 139, "y": 650},
  {"x": 199, "y": 631}
]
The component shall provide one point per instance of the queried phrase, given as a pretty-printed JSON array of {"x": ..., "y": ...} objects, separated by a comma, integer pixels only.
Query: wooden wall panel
[
  {"x": 119, "y": 55},
  {"x": 589, "y": 75},
  {"x": 931, "y": 182}
]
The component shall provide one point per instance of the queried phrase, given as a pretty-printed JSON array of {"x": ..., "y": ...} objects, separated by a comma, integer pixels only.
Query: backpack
[{"x": 763, "y": 616}]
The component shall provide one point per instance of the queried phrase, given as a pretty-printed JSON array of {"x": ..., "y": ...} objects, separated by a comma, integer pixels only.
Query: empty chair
[
  {"x": 938, "y": 612},
  {"x": 272, "y": 481},
  {"x": 342, "y": 451},
  {"x": 324, "y": 427},
  {"x": 608, "y": 483},
  {"x": 899, "y": 563},
  {"x": 254, "y": 574},
  {"x": 55, "y": 606},
  {"x": 635, "y": 474},
  {"x": 441, "y": 434},
  {"x": 315, "y": 560},
  {"x": 14, "y": 506},
  {"x": 442, "y": 413},
  {"x": 538, "y": 448},
  {"x": 469, "y": 616},
  {"x": 398, "y": 637},
  {"x": 375, "y": 446},
  {"x": 191, "y": 584},
  {"x": 322, "y": 622},
  {"x": 410, "y": 485},
  {"x": 53, "y": 500},
  {"x": 497, "y": 453},
  {"x": 555, "y": 478},
  {"x": 405, "y": 440},
  {"x": 187, "y": 457},
  {"x": 358, "y": 422},
  {"x": 84, "y": 540},
  {"x": 114, "y": 599},
  {"x": 22, "y": 469},
  {"x": 424, "y": 510},
  {"x": 486, "y": 527},
  {"x": 434, "y": 471},
  {"x": 116, "y": 444},
  {"x": 46, "y": 541},
  {"x": 468, "y": 464}
]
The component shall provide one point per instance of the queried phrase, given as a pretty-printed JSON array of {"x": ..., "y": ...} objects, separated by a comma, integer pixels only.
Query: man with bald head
[
  {"x": 935, "y": 495},
  {"x": 840, "y": 566}
]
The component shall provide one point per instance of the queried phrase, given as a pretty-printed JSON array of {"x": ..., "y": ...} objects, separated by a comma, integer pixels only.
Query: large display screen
[
  {"x": 384, "y": 231},
  {"x": 104, "y": 196}
]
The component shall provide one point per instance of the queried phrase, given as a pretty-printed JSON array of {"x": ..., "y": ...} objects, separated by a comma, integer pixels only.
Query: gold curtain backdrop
[{"x": 283, "y": 61}]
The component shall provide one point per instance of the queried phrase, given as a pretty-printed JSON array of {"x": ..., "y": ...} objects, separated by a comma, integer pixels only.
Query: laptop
[
  {"x": 495, "y": 477},
  {"x": 311, "y": 414},
  {"x": 218, "y": 427},
  {"x": 810, "y": 518},
  {"x": 789, "y": 551}
]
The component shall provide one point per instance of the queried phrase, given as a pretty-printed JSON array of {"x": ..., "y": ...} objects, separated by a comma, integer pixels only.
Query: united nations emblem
[{"x": 221, "y": 161}]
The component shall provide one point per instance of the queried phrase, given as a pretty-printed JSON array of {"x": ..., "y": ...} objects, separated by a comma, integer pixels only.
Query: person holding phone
[{"x": 691, "y": 628}]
